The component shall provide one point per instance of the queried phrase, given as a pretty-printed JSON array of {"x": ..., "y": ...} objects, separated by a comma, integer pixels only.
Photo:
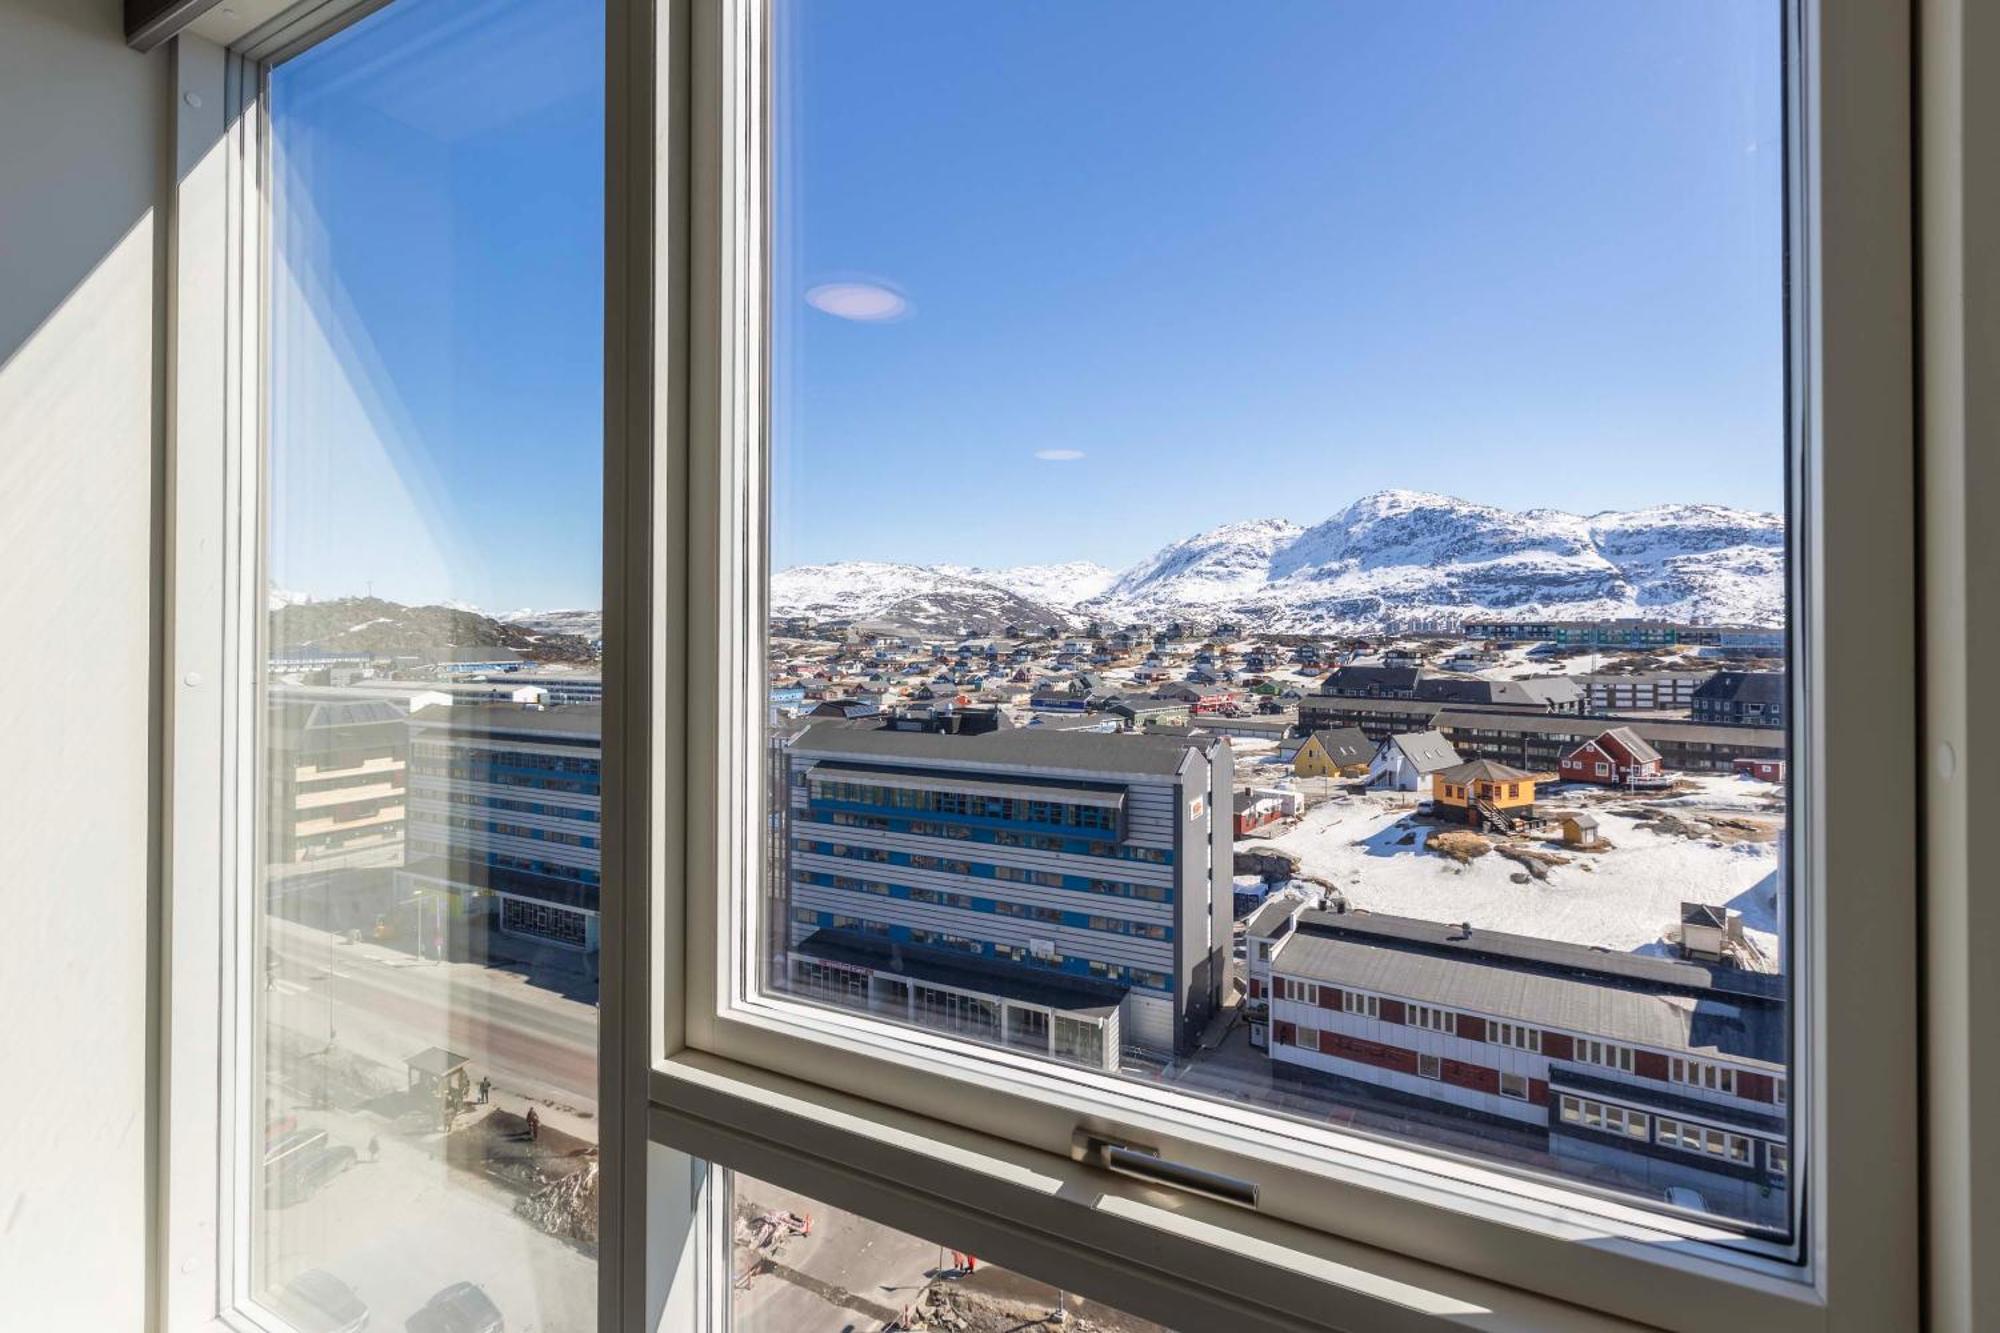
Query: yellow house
[
  {"x": 1339, "y": 753},
  {"x": 1485, "y": 793}
]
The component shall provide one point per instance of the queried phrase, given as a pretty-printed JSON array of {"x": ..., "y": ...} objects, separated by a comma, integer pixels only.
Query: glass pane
[
  {"x": 427, "y": 1017},
  {"x": 1294, "y": 501},
  {"x": 800, "y": 1266}
]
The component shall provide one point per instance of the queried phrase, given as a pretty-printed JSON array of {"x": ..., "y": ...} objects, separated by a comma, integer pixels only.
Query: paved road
[{"x": 523, "y": 1035}]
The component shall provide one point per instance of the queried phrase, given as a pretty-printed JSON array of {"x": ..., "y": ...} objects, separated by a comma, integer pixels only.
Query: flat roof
[
  {"x": 1122, "y": 753},
  {"x": 905, "y": 779},
  {"x": 1628, "y": 998}
]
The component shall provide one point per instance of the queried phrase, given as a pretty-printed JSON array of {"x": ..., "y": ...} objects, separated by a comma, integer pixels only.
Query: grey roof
[
  {"x": 436, "y": 1061},
  {"x": 1584, "y": 728},
  {"x": 1371, "y": 677},
  {"x": 1498, "y": 693},
  {"x": 1428, "y": 751},
  {"x": 1273, "y": 910},
  {"x": 1582, "y": 819},
  {"x": 1345, "y": 745},
  {"x": 1484, "y": 770},
  {"x": 1704, "y": 914},
  {"x": 1764, "y": 687},
  {"x": 1660, "y": 1003},
  {"x": 1022, "y": 747}
]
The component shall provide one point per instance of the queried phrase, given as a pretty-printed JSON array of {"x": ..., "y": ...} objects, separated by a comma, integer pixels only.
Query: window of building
[
  {"x": 1354, "y": 1002},
  {"x": 1429, "y": 1066},
  {"x": 1514, "y": 1085}
]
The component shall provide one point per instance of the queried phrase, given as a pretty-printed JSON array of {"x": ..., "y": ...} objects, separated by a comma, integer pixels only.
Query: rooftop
[
  {"x": 1117, "y": 754},
  {"x": 1656, "y": 1002}
]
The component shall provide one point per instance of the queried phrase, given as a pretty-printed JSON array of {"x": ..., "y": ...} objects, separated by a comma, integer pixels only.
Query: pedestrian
[
  {"x": 485, "y": 1089},
  {"x": 534, "y": 1125},
  {"x": 374, "y": 1149}
]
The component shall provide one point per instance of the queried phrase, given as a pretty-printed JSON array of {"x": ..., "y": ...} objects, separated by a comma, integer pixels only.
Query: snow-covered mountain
[
  {"x": 1063, "y": 585},
  {"x": 942, "y": 600},
  {"x": 1397, "y": 559},
  {"x": 587, "y": 624}
]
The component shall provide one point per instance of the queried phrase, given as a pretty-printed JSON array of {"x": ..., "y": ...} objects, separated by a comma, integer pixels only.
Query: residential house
[
  {"x": 1341, "y": 753},
  {"x": 1485, "y": 794},
  {"x": 1407, "y": 761},
  {"x": 1742, "y": 698},
  {"x": 1617, "y": 757}
]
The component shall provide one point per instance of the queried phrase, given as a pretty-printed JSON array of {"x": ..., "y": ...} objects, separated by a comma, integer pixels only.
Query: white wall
[{"x": 81, "y": 150}]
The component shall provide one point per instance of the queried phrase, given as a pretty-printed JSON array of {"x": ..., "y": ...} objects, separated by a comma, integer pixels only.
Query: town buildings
[
  {"x": 504, "y": 820},
  {"x": 338, "y": 781},
  {"x": 1484, "y": 794},
  {"x": 1616, "y": 757},
  {"x": 1628, "y": 634},
  {"x": 1666, "y": 1074},
  {"x": 1540, "y": 741},
  {"x": 1408, "y": 760},
  {"x": 1063, "y": 892},
  {"x": 1742, "y": 698}
]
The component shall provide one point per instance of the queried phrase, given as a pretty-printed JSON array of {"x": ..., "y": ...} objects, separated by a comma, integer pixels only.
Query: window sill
[{"x": 1185, "y": 1261}]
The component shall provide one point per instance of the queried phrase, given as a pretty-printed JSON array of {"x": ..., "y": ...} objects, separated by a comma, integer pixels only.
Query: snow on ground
[{"x": 1627, "y": 901}]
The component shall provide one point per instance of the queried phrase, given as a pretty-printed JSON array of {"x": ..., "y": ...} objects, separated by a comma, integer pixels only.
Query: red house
[
  {"x": 1617, "y": 758},
  {"x": 1764, "y": 770}
]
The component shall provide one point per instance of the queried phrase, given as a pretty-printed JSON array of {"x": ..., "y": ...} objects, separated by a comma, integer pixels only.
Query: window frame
[
  {"x": 1850, "y": 392},
  {"x": 1423, "y": 1247},
  {"x": 218, "y": 251}
]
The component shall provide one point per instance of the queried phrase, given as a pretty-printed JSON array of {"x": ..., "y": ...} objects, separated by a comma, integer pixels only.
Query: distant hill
[{"x": 370, "y": 624}]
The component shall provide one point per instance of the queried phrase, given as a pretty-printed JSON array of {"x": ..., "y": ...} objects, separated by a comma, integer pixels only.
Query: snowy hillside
[
  {"x": 1407, "y": 559},
  {"x": 588, "y": 624},
  {"x": 1063, "y": 585},
  {"x": 945, "y": 600},
  {"x": 1393, "y": 560}
]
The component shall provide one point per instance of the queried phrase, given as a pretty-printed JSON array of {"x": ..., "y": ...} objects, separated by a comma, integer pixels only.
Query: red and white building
[
  {"x": 1666, "y": 1073},
  {"x": 1617, "y": 757}
]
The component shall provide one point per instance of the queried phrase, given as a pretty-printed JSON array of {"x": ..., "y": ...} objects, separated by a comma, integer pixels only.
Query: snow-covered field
[{"x": 1627, "y": 899}]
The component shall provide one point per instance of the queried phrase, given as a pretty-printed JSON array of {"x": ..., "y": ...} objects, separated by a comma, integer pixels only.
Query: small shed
[{"x": 1580, "y": 829}]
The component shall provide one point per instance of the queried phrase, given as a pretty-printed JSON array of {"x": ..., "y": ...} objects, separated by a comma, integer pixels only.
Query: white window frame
[
  {"x": 1366, "y": 1189},
  {"x": 911, "y": 1131},
  {"x": 215, "y": 626}
]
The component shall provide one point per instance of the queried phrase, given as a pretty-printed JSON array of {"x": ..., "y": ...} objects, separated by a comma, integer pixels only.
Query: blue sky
[{"x": 1242, "y": 261}]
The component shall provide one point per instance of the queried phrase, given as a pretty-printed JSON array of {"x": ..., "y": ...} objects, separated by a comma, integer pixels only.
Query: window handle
[{"x": 1145, "y": 1163}]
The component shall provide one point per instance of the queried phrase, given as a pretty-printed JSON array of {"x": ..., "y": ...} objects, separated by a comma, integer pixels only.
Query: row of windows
[
  {"x": 582, "y": 786},
  {"x": 1597, "y": 1115},
  {"x": 1590, "y": 1051},
  {"x": 1041, "y": 842},
  {"x": 432, "y": 760},
  {"x": 1702, "y": 1074},
  {"x": 1136, "y": 976},
  {"x": 551, "y": 869},
  {"x": 473, "y": 824},
  {"x": 1061, "y": 813},
  {"x": 582, "y": 814},
  {"x": 1013, "y": 874},
  {"x": 998, "y": 906},
  {"x": 1700, "y": 1139}
]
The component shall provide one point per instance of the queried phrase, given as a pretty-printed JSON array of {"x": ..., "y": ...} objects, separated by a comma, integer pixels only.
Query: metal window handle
[{"x": 1145, "y": 1163}]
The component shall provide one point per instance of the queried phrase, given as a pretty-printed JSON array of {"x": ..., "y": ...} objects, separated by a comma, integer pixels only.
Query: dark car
[
  {"x": 318, "y": 1302},
  {"x": 460, "y": 1308},
  {"x": 302, "y": 1174}
]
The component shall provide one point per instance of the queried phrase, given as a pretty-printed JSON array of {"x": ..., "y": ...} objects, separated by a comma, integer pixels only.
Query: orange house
[{"x": 1485, "y": 793}]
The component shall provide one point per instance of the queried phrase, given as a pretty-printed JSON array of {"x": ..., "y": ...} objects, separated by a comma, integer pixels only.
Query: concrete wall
[{"x": 82, "y": 150}]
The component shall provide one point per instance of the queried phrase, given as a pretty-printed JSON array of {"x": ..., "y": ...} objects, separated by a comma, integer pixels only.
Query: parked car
[
  {"x": 463, "y": 1307},
  {"x": 1680, "y": 1196},
  {"x": 316, "y": 1301},
  {"x": 301, "y": 1165}
]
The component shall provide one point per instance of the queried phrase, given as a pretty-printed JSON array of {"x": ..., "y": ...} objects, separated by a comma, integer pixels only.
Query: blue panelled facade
[
  {"x": 1066, "y": 884},
  {"x": 505, "y": 811}
]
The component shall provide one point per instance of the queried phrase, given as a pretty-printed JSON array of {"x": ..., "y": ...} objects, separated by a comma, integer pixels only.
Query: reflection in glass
[{"x": 429, "y": 879}]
